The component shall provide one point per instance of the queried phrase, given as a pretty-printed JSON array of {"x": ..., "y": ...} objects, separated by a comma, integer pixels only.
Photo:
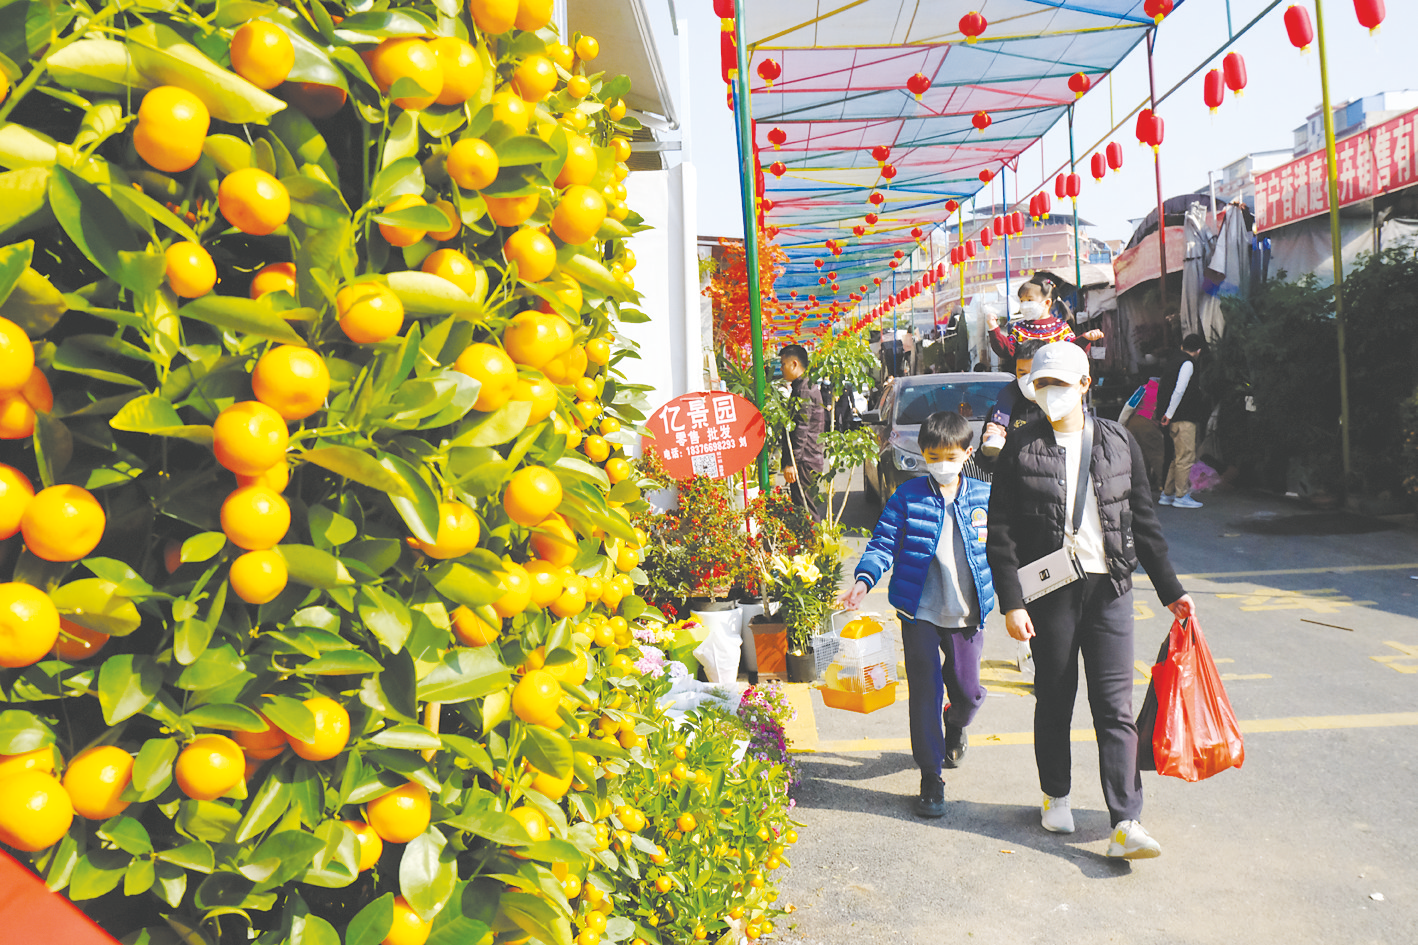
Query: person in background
[
  {"x": 1032, "y": 514},
  {"x": 1039, "y": 324},
  {"x": 1139, "y": 416},
  {"x": 1186, "y": 409},
  {"x": 802, "y": 452},
  {"x": 1012, "y": 410},
  {"x": 931, "y": 536}
]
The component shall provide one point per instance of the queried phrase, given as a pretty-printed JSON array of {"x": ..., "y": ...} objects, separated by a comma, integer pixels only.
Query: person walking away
[
  {"x": 1186, "y": 408},
  {"x": 802, "y": 452},
  {"x": 1139, "y": 416},
  {"x": 1033, "y": 513},
  {"x": 931, "y": 536}
]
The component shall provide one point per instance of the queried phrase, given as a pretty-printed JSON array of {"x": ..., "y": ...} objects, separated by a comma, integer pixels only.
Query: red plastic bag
[{"x": 1196, "y": 734}]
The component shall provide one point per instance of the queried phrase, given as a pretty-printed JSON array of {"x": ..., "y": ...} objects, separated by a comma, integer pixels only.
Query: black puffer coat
[{"x": 1027, "y": 509}]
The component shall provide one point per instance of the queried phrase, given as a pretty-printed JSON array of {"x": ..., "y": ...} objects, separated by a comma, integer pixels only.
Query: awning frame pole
[
  {"x": 1161, "y": 214},
  {"x": 1077, "y": 259},
  {"x": 1337, "y": 247},
  {"x": 747, "y": 180}
]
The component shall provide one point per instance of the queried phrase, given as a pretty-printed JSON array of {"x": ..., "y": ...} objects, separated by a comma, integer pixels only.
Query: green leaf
[
  {"x": 423, "y": 293},
  {"x": 493, "y": 825},
  {"x": 126, "y": 684},
  {"x": 289, "y": 715},
  {"x": 24, "y": 201},
  {"x": 329, "y": 527},
  {"x": 215, "y": 667},
  {"x": 411, "y": 737},
  {"x": 465, "y": 674},
  {"x": 426, "y": 217},
  {"x": 33, "y": 302},
  {"x": 22, "y": 731},
  {"x": 281, "y": 857},
  {"x": 271, "y": 800},
  {"x": 549, "y": 751},
  {"x": 371, "y": 925},
  {"x": 97, "y": 227},
  {"x": 152, "y": 768},
  {"x": 245, "y": 316},
  {"x": 98, "y": 872},
  {"x": 202, "y": 546},
  {"x": 193, "y": 635},
  {"x": 313, "y": 567},
  {"x": 344, "y": 662},
  {"x": 496, "y": 428},
  {"x": 385, "y": 616},
  {"x": 463, "y": 585},
  {"x": 594, "y": 275},
  {"x": 155, "y": 416},
  {"x": 128, "y": 834},
  {"x": 523, "y": 149},
  {"x": 163, "y": 57},
  {"x": 428, "y": 872},
  {"x": 337, "y": 863},
  {"x": 195, "y": 856},
  {"x": 404, "y": 176},
  {"x": 415, "y": 502},
  {"x": 314, "y": 202},
  {"x": 358, "y": 466},
  {"x": 536, "y": 916},
  {"x": 226, "y": 716},
  {"x": 14, "y": 260},
  {"x": 79, "y": 354},
  {"x": 172, "y": 883}
]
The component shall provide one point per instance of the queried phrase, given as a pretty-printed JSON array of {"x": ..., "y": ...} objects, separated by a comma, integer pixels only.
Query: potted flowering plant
[{"x": 804, "y": 602}]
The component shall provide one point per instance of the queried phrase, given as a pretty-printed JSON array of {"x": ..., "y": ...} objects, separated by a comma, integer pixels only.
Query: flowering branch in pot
[{"x": 797, "y": 583}]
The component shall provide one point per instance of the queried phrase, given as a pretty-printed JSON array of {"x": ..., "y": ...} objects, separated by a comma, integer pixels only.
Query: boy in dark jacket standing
[
  {"x": 931, "y": 536},
  {"x": 1032, "y": 514},
  {"x": 802, "y": 451}
]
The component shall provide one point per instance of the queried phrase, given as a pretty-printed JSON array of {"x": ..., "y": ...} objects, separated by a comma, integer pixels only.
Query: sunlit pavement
[{"x": 1311, "y": 617}]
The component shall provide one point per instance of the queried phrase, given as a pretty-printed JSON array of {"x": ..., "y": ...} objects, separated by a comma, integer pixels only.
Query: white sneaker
[
  {"x": 1165, "y": 500},
  {"x": 1131, "y": 842},
  {"x": 1186, "y": 502},
  {"x": 1055, "y": 815}
]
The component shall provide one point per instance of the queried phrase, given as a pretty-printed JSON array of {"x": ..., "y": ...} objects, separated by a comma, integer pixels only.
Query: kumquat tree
[{"x": 319, "y": 619}]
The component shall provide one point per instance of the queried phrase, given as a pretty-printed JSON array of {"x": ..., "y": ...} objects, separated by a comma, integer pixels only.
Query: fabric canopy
[{"x": 842, "y": 91}]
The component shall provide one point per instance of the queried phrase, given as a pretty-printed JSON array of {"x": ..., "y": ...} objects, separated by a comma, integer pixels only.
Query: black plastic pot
[{"x": 802, "y": 667}]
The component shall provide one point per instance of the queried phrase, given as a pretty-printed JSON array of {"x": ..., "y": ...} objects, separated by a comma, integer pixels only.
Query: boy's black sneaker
[
  {"x": 956, "y": 742},
  {"x": 931, "y": 803}
]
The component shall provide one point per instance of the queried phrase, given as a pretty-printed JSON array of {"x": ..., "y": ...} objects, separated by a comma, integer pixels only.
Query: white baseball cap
[{"x": 1060, "y": 360}]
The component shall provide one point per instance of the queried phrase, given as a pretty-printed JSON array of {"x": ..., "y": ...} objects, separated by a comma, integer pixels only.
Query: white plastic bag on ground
[
  {"x": 720, "y": 651},
  {"x": 689, "y": 694}
]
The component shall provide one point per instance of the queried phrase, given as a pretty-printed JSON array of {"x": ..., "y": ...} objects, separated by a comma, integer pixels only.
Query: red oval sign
[{"x": 708, "y": 433}]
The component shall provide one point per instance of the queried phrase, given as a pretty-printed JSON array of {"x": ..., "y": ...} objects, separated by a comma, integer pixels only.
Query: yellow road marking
[
  {"x": 1321, "y": 600},
  {"x": 1398, "y": 662},
  {"x": 1141, "y": 611},
  {"x": 1312, "y": 723},
  {"x": 802, "y": 730}
]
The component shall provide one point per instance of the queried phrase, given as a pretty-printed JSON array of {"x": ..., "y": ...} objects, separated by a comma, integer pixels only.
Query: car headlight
[{"x": 905, "y": 461}]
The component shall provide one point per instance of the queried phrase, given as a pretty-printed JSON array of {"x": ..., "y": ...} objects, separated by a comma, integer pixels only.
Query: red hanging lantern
[
  {"x": 1034, "y": 207},
  {"x": 812, "y": 300},
  {"x": 859, "y": 231},
  {"x": 919, "y": 85},
  {"x": 835, "y": 290},
  {"x": 973, "y": 26},
  {"x": 986, "y": 176},
  {"x": 1046, "y": 204},
  {"x": 970, "y": 248},
  {"x": 1018, "y": 223},
  {"x": 1079, "y": 83},
  {"x": 881, "y": 152},
  {"x": 1144, "y": 119},
  {"x": 1075, "y": 186},
  {"x": 793, "y": 294},
  {"x": 894, "y": 263},
  {"x": 817, "y": 263},
  {"x": 1371, "y": 13},
  {"x": 1098, "y": 165},
  {"x": 768, "y": 71},
  {"x": 822, "y": 280},
  {"x": 861, "y": 288},
  {"x": 888, "y": 171},
  {"x": 871, "y": 219},
  {"x": 1115, "y": 156},
  {"x": 724, "y": 10},
  {"x": 776, "y": 137},
  {"x": 832, "y": 276},
  {"x": 1156, "y": 131},
  {"x": 987, "y": 236},
  {"x": 777, "y": 169},
  {"x": 876, "y": 198},
  {"x": 998, "y": 226},
  {"x": 772, "y": 232},
  {"x": 1060, "y": 187},
  {"x": 940, "y": 271},
  {"x": 768, "y": 205},
  {"x": 954, "y": 257},
  {"x": 728, "y": 58},
  {"x": 951, "y": 206},
  {"x": 1213, "y": 90},
  {"x": 982, "y": 120},
  {"x": 899, "y": 254},
  {"x": 836, "y": 250},
  {"x": 1233, "y": 67},
  {"x": 1157, "y": 9},
  {"x": 876, "y": 280},
  {"x": 916, "y": 232},
  {"x": 1299, "y": 27}
]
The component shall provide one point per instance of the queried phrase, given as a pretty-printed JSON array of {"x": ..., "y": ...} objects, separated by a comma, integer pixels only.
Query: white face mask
[
  {"x": 1032, "y": 310},
  {"x": 944, "y": 473},
  {"x": 1058, "y": 402}
]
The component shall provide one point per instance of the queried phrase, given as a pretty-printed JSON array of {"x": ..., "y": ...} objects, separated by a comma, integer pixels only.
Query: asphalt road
[{"x": 1313, "y": 619}]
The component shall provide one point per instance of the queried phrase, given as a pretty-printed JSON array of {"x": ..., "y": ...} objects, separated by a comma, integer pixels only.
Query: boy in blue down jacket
[{"x": 931, "y": 535}]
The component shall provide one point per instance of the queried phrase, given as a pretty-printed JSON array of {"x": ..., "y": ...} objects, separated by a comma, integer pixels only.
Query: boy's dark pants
[
  {"x": 940, "y": 663},
  {"x": 1086, "y": 617}
]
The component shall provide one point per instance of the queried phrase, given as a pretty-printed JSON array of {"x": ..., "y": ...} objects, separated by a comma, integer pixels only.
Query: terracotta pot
[{"x": 770, "y": 641}]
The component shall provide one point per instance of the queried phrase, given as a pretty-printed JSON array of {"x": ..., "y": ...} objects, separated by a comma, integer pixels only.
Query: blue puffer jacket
[{"x": 908, "y": 532}]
